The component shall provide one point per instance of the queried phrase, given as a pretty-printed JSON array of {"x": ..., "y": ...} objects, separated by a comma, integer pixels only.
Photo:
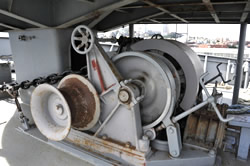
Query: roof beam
[
  {"x": 187, "y": 4},
  {"x": 164, "y": 10},
  {"x": 154, "y": 21},
  {"x": 245, "y": 14},
  {"x": 96, "y": 13},
  {"x": 9, "y": 14},
  {"x": 99, "y": 19},
  {"x": 87, "y": 1},
  {"x": 211, "y": 10},
  {"x": 9, "y": 26},
  {"x": 133, "y": 21}
]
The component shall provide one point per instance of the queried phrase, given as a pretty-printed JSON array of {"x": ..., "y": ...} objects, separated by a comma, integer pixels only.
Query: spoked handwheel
[{"x": 82, "y": 39}]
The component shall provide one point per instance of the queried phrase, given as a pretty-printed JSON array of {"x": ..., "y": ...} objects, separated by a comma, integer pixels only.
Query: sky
[
  {"x": 211, "y": 31},
  {"x": 230, "y": 31},
  {"x": 4, "y": 34}
]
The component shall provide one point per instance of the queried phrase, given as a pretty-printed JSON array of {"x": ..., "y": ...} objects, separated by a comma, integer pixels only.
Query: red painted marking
[
  {"x": 111, "y": 86},
  {"x": 97, "y": 68}
]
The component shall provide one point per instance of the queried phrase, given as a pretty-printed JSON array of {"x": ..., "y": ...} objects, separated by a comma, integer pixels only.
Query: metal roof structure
[{"x": 104, "y": 15}]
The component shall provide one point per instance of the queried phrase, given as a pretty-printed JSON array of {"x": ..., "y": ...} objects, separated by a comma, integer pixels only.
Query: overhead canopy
[{"x": 104, "y": 15}]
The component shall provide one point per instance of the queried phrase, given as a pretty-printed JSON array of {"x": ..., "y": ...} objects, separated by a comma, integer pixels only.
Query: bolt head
[
  {"x": 145, "y": 138},
  {"x": 171, "y": 131},
  {"x": 173, "y": 153},
  {"x": 124, "y": 96},
  {"x": 127, "y": 145},
  {"x": 104, "y": 137}
]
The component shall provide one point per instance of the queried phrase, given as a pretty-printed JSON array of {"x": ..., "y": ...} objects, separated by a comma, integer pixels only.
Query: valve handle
[
  {"x": 211, "y": 100},
  {"x": 82, "y": 39},
  {"x": 157, "y": 36},
  {"x": 218, "y": 75}
]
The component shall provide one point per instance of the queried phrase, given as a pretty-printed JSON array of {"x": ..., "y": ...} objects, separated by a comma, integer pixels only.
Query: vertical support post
[
  {"x": 228, "y": 69},
  {"x": 237, "y": 83},
  {"x": 131, "y": 30},
  {"x": 246, "y": 70},
  {"x": 205, "y": 64}
]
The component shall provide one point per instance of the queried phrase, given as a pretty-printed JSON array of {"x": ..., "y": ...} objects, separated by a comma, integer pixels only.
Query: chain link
[{"x": 50, "y": 79}]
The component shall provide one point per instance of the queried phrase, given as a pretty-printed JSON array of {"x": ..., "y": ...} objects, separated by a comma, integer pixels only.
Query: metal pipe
[
  {"x": 191, "y": 110},
  {"x": 237, "y": 83}
]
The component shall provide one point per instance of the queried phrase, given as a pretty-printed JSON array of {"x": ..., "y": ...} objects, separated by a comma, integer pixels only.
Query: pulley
[
  {"x": 74, "y": 104},
  {"x": 159, "y": 84}
]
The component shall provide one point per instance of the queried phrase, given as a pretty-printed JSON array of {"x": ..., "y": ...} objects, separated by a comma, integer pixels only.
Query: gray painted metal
[
  {"x": 187, "y": 59},
  {"x": 66, "y": 13},
  {"x": 9, "y": 14},
  {"x": 245, "y": 14},
  {"x": 190, "y": 155},
  {"x": 241, "y": 48},
  {"x": 95, "y": 13},
  {"x": 211, "y": 10},
  {"x": 9, "y": 26},
  {"x": 160, "y": 89},
  {"x": 164, "y": 10},
  {"x": 46, "y": 53},
  {"x": 5, "y": 47},
  {"x": 242, "y": 121}
]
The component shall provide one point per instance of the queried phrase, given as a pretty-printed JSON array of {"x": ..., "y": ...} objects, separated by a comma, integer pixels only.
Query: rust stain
[
  {"x": 81, "y": 102},
  {"x": 105, "y": 146}
]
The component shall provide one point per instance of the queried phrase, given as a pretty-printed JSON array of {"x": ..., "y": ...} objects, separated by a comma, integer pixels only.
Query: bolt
[
  {"x": 139, "y": 98},
  {"x": 171, "y": 131},
  {"x": 104, "y": 137},
  {"x": 127, "y": 145},
  {"x": 124, "y": 96},
  {"x": 173, "y": 153},
  {"x": 144, "y": 137},
  {"x": 211, "y": 152}
]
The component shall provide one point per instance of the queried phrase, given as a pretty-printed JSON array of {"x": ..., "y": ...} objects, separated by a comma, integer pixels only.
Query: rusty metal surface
[
  {"x": 204, "y": 129},
  {"x": 107, "y": 148},
  {"x": 81, "y": 102}
]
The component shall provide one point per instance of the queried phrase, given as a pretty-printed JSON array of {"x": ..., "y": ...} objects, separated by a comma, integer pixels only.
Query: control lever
[
  {"x": 218, "y": 75},
  {"x": 210, "y": 99}
]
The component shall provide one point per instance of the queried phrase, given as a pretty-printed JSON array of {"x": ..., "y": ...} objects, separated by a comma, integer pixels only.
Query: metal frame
[
  {"x": 211, "y": 10},
  {"x": 237, "y": 83},
  {"x": 9, "y": 26},
  {"x": 96, "y": 13},
  {"x": 9, "y": 14}
]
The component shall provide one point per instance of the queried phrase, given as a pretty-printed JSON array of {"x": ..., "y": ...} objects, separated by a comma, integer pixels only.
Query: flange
[{"x": 50, "y": 112}]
